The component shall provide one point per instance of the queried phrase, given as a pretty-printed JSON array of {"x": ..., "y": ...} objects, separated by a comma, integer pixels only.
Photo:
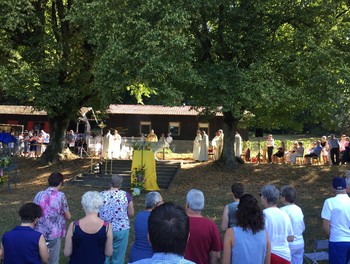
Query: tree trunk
[
  {"x": 58, "y": 126},
  {"x": 228, "y": 154}
]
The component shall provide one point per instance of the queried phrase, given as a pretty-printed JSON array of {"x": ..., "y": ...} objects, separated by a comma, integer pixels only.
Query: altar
[{"x": 144, "y": 159}]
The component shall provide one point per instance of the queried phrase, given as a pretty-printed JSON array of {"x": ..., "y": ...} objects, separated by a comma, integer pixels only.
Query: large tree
[
  {"x": 275, "y": 59},
  {"x": 48, "y": 61}
]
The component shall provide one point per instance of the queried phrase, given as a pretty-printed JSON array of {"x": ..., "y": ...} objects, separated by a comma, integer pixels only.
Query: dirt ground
[{"x": 312, "y": 183}]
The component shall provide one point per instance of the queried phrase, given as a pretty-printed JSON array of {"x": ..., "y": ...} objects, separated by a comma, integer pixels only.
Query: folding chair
[{"x": 318, "y": 254}]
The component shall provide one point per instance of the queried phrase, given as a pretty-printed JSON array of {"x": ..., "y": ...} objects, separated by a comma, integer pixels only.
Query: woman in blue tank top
[
  {"x": 23, "y": 244},
  {"x": 247, "y": 242},
  {"x": 89, "y": 240}
]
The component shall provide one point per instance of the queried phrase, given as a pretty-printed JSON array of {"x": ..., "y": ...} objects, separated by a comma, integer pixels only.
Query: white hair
[
  {"x": 91, "y": 202},
  {"x": 195, "y": 200}
]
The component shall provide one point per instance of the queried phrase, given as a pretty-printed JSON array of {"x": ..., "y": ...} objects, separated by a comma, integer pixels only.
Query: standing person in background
[
  {"x": 71, "y": 138},
  {"x": 288, "y": 196},
  {"x": 248, "y": 242},
  {"x": 270, "y": 144},
  {"x": 220, "y": 142},
  {"x": 197, "y": 145},
  {"x": 152, "y": 137},
  {"x": 333, "y": 144},
  {"x": 116, "y": 209},
  {"x": 141, "y": 248},
  {"x": 204, "y": 244},
  {"x": 229, "y": 215},
  {"x": 52, "y": 224},
  {"x": 277, "y": 224},
  {"x": 238, "y": 145},
  {"x": 343, "y": 147},
  {"x": 162, "y": 138},
  {"x": 203, "y": 154},
  {"x": 215, "y": 146},
  {"x": 325, "y": 149},
  {"x": 23, "y": 244},
  {"x": 89, "y": 240},
  {"x": 115, "y": 144},
  {"x": 169, "y": 139},
  {"x": 336, "y": 218}
]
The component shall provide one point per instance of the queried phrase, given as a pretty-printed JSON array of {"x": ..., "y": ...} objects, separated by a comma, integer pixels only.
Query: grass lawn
[{"x": 312, "y": 183}]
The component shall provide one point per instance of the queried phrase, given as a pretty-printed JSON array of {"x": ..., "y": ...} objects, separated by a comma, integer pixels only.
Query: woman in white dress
[
  {"x": 196, "y": 145},
  {"x": 203, "y": 153}
]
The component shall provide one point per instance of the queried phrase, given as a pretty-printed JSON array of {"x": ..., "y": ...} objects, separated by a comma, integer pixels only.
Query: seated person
[
  {"x": 290, "y": 152},
  {"x": 23, "y": 244},
  {"x": 279, "y": 153},
  {"x": 315, "y": 152},
  {"x": 298, "y": 153}
]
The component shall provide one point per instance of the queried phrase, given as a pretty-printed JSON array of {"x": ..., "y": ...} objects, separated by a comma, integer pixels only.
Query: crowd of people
[
  {"x": 168, "y": 233},
  {"x": 327, "y": 150},
  {"x": 202, "y": 147},
  {"x": 27, "y": 143}
]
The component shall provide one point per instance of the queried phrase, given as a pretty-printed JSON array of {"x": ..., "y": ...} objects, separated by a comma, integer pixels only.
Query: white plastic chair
[{"x": 319, "y": 254}]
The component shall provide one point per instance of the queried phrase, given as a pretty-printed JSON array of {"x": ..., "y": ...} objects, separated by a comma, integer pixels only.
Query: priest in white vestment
[{"x": 196, "y": 145}]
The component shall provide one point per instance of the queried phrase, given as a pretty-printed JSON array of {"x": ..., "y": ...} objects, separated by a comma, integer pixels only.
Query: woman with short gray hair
[
  {"x": 141, "y": 248},
  {"x": 288, "y": 196},
  {"x": 277, "y": 225},
  {"x": 116, "y": 209}
]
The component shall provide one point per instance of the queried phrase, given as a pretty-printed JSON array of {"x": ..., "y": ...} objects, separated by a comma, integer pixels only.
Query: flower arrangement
[
  {"x": 4, "y": 162},
  {"x": 137, "y": 180}
]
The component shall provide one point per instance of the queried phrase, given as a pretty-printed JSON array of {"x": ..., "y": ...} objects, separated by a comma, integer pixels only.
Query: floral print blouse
[
  {"x": 115, "y": 209},
  {"x": 54, "y": 204}
]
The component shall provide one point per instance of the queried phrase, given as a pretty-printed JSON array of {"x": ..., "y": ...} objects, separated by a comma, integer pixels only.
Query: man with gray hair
[
  {"x": 204, "y": 244},
  {"x": 336, "y": 222},
  {"x": 277, "y": 225}
]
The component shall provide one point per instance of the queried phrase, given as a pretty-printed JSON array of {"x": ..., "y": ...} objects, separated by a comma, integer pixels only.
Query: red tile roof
[
  {"x": 19, "y": 110},
  {"x": 152, "y": 110},
  {"x": 113, "y": 109}
]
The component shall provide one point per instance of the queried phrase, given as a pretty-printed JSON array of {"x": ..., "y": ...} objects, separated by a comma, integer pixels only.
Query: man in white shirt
[
  {"x": 169, "y": 139},
  {"x": 336, "y": 222}
]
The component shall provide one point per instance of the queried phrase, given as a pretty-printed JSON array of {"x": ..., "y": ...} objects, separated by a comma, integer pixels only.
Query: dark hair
[
  {"x": 249, "y": 214},
  {"x": 55, "y": 179},
  {"x": 289, "y": 193},
  {"x": 29, "y": 212},
  {"x": 237, "y": 189},
  {"x": 168, "y": 229}
]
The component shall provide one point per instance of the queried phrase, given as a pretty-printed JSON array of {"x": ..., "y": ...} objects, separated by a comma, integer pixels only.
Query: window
[
  {"x": 204, "y": 127},
  {"x": 174, "y": 128},
  {"x": 145, "y": 127}
]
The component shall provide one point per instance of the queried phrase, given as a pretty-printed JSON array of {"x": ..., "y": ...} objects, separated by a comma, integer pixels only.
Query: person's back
[
  {"x": 278, "y": 227},
  {"x": 168, "y": 229},
  {"x": 88, "y": 247},
  {"x": 141, "y": 248},
  {"x": 204, "y": 238},
  {"x": 21, "y": 245},
  {"x": 245, "y": 243},
  {"x": 204, "y": 244}
]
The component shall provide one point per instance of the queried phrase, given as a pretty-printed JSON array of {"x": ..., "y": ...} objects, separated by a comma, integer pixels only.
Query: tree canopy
[{"x": 284, "y": 62}]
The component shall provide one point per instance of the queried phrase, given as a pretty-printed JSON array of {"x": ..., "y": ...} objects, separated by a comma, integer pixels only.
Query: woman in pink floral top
[
  {"x": 55, "y": 213},
  {"x": 116, "y": 209}
]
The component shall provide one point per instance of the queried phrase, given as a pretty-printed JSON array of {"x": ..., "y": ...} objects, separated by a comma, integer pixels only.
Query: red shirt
[{"x": 204, "y": 238}]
